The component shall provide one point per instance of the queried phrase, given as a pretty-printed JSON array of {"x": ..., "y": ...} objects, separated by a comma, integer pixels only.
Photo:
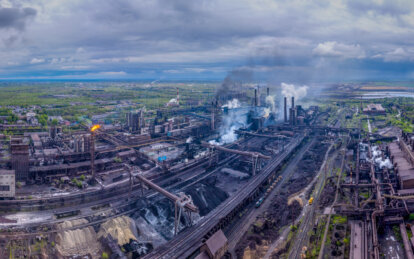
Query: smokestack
[
  {"x": 178, "y": 97},
  {"x": 268, "y": 91},
  {"x": 212, "y": 115},
  {"x": 285, "y": 109},
  {"x": 293, "y": 102},
  {"x": 255, "y": 97}
]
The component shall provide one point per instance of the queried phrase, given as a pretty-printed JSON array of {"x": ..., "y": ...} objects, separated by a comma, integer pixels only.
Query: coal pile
[
  {"x": 267, "y": 227},
  {"x": 328, "y": 194},
  {"x": 206, "y": 196}
]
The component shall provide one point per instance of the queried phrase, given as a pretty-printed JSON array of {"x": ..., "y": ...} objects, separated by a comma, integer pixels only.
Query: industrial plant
[{"x": 263, "y": 172}]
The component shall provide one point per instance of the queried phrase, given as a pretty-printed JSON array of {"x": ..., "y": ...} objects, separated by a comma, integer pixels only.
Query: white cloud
[
  {"x": 335, "y": 49},
  {"x": 74, "y": 67},
  {"x": 12, "y": 63},
  {"x": 397, "y": 55},
  {"x": 113, "y": 73},
  {"x": 80, "y": 50},
  {"x": 266, "y": 35},
  {"x": 37, "y": 60}
]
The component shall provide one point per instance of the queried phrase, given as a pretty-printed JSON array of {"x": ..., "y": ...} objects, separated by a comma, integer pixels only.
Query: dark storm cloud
[
  {"x": 394, "y": 7},
  {"x": 15, "y": 18},
  {"x": 161, "y": 38}
]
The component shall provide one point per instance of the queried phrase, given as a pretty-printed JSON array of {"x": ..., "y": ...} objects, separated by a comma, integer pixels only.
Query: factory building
[
  {"x": 7, "y": 183},
  {"x": 82, "y": 143},
  {"x": 403, "y": 166},
  {"x": 20, "y": 158},
  {"x": 135, "y": 121},
  {"x": 374, "y": 109},
  {"x": 215, "y": 247}
]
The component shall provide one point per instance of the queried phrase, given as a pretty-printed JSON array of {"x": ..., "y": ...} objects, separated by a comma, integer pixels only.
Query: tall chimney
[
  {"x": 255, "y": 97},
  {"x": 293, "y": 102},
  {"x": 285, "y": 109},
  {"x": 268, "y": 91},
  {"x": 213, "y": 110},
  {"x": 178, "y": 97}
]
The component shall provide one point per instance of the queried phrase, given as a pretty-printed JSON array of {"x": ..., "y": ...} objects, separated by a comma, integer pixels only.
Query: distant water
[{"x": 374, "y": 95}]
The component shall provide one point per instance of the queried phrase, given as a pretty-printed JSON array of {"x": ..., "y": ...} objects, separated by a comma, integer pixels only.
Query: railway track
[
  {"x": 134, "y": 196},
  {"x": 308, "y": 217},
  {"x": 186, "y": 243},
  {"x": 97, "y": 196},
  {"x": 238, "y": 230}
]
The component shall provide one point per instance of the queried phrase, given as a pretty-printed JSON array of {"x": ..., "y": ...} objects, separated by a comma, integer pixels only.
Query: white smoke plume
[
  {"x": 289, "y": 90},
  {"x": 232, "y": 104},
  {"x": 377, "y": 158},
  {"x": 172, "y": 102},
  {"x": 232, "y": 121},
  {"x": 266, "y": 112},
  {"x": 270, "y": 102}
]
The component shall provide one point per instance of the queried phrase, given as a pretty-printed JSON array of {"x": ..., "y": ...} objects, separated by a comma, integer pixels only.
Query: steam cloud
[
  {"x": 232, "y": 104},
  {"x": 376, "y": 157},
  {"x": 290, "y": 90},
  {"x": 232, "y": 121}
]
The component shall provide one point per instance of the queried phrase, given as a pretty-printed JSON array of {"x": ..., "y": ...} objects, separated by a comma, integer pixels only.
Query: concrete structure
[
  {"x": 135, "y": 121},
  {"x": 7, "y": 183},
  {"x": 82, "y": 143},
  {"x": 215, "y": 247},
  {"x": 402, "y": 166},
  {"x": 374, "y": 109},
  {"x": 20, "y": 158},
  {"x": 292, "y": 113}
]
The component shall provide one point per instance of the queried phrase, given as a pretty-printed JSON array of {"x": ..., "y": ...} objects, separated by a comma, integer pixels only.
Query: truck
[{"x": 310, "y": 200}]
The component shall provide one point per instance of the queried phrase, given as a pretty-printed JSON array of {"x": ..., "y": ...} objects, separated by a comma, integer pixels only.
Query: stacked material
[
  {"x": 81, "y": 241},
  {"x": 121, "y": 228}
]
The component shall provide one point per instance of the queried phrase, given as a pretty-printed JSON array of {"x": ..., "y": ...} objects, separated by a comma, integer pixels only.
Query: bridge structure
[
  {"x": 254, "y": 155},
  {"x": 181, "y": 201}
]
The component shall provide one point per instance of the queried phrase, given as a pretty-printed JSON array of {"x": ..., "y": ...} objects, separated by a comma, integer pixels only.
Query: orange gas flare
[{"x": 95, "y": 127}]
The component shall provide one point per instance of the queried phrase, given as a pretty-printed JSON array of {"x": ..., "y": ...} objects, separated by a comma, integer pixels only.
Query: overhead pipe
[
  {"x": 239, "y": 152},
  {"x": 166, "y": 193}
]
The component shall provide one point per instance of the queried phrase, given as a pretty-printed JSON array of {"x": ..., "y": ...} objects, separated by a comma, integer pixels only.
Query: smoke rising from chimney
[
  {"x": 290, "y": 90},
  {"x": 232, "y": 121}
]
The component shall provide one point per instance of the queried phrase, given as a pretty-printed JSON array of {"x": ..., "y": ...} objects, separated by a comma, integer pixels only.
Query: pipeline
[
  {"x": 260, "y": 135},
  {"x": 407, "y": 245},
  {"x": 408, "y": 197},
  {"x": 239, "y": 152},
  {"x": 374, "y": 232}
]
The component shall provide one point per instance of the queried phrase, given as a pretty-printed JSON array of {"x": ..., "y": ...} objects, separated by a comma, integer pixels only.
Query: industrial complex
[{"x": 242, "y": 175}]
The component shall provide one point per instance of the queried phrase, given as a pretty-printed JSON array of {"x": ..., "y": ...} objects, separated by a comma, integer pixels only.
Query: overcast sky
[{"x": 287, "y": 40}]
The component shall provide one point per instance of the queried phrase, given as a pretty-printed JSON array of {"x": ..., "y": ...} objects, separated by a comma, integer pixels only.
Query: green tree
[
  {"x": 55, "y": 122},
  {"x": 42, "y": 118},
  {"x": 12, "y": 118}
]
